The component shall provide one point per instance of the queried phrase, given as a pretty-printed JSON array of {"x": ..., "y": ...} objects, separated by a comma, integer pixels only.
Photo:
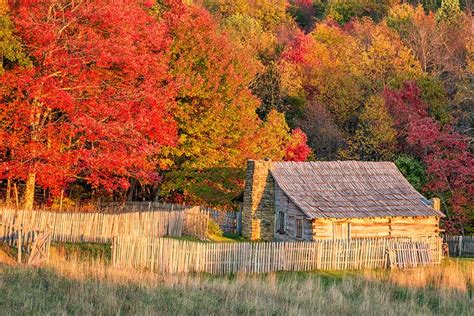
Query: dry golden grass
[
  {"x": 6, "y": 256},
  {"x": 75, "y": 268},
  {"x": 451, "y": 275},
  {"x": 71, "y": 285}
]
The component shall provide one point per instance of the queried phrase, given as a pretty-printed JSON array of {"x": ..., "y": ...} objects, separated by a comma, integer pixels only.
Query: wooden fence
[
  {"x": 101, "y": 228},
  {"x": 34, "y": 243},
  {"x": 137, "y": 206},
  {"x": 177, "y": 256},
  {"x": 228, "y": 221},
  {"x": 460, "y": 246}
]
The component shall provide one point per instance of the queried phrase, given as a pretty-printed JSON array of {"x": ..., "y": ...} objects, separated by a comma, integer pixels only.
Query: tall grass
[{"x": 75, "y": 286}]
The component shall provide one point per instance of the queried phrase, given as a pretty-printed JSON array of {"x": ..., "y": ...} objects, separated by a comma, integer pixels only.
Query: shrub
[{"x": 214, "y": 229}]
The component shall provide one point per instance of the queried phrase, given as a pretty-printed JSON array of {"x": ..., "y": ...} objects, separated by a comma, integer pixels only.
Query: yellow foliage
[
  {"x": 270, "y": 13},
  {"x": 342, "y": 69},
  {"x": 384, "y": 57},
  {"x": 375, "y": 137}
]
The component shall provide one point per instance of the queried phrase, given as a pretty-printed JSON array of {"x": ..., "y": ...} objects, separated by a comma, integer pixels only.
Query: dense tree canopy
[
  {"x": 167, "y": 99},
  {"x": 95, "y": 103},
  {"x": 124, "y": 90}
]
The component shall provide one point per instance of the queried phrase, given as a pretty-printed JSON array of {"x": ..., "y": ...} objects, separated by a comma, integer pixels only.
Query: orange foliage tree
[{"x": 216, "y": 114}]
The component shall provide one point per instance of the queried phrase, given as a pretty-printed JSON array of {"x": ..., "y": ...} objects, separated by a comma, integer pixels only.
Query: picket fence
[
  {"x": 135, "y": 206},
  {"x": 228, "y": 220},
  {"x": 34, "y": 243},
  {"x": 169, "y": 256},
  {"x": 460, "y": 246},
  {"x": 101, "y": 228}
]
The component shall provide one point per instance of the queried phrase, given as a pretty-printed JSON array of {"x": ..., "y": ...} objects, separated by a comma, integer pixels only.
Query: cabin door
[{"x": 341, "y": 231}]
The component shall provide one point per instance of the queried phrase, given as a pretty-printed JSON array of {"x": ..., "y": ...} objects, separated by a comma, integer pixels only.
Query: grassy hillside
[{"x": 92, "y": 287}]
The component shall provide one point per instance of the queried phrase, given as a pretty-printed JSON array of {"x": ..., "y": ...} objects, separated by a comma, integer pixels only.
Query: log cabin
[{"x": 333, "y": 200}]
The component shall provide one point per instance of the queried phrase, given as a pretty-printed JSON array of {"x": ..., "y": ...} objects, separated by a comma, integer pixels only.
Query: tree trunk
[
  {"x": 131, "y": 190},
  {"x": 30, "y": 191},
  {"x": 9, "y": 192},
  {"x": 17, "y": 200},
  {"x": 61, "y": 201}
]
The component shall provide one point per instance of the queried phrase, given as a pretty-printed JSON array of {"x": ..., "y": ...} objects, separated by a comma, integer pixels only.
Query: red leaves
[
  {"x": 445, "y": 152},
  {"x": 297, "y": 149},
  {"x": 406, "y": 107},
  {"x": 97, "y": 103},
  {"x": 299, "y": 49}
]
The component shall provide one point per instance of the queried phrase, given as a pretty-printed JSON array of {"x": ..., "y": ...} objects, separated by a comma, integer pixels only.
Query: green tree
[
  {"x": 270, "y": 13},
  {"x": 449, "y": 12},
  {"x": 216, "y": 110},
  {"x": 344, "y": 11},
  {"x": 11, "y": 52},
  {"x": 434, "y": 95},
  {"x": 413, "y": 170},
  {"x": 211, "y": 186},
  {"x": 250, "y": 34}
]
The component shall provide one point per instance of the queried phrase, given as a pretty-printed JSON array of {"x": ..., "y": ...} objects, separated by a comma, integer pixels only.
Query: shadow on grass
[{"x": 83, "y": 251}]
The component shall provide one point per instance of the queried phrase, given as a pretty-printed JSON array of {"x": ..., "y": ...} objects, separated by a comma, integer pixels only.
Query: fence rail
[
  {"x": 177, "y": 256},
  {"x": 461, "y": 246},
  {"x": 101, "y": 228}
]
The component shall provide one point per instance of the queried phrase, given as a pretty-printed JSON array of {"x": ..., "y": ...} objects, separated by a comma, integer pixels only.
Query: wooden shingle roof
[{"x": 350, "y": 189}]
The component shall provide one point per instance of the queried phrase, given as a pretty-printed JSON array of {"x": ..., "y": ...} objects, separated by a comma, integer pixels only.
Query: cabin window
[
  {"x": 299, "y": 228},
  {"x": 281, "y": 221},
  {"x": 341, "y": 230}
]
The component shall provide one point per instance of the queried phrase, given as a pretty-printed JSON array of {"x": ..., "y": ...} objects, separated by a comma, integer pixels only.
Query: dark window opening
[
  {"x": 281, "y": 221},
  {"x": 299, "y": 228}
]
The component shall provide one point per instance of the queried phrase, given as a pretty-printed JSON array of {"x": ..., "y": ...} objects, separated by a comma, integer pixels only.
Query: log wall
[
  {"x": 380, "y": 227},
  {"x": 291, "y": 214}
]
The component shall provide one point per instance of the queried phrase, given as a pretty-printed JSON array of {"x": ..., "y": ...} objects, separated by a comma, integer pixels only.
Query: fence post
[
  {"x": 48, "y": 229},
  {"x": 460, "y": 246},
  {"x": 20, "y": 230},
  {"x": 113, "y": 247}
]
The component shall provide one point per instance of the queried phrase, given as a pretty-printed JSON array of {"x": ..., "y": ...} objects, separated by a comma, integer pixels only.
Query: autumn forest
[{"x": 116, "y": 100}]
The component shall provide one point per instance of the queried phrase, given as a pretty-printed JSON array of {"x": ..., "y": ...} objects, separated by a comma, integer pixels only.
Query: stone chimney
[
  {"x": 258, "y": 213},
  {"x": 436, "y": 202}
]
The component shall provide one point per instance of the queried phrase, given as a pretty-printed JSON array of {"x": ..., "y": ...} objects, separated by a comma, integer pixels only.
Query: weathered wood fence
[
  {"x": 34, "y": 243},
  {"x": 136, "y": 206},
  {"x": 229, "y": 221},
  {"x": 177, "y": 256},
  {"x": 460, "y": 246},
  {"x": 101, "y": 228}
]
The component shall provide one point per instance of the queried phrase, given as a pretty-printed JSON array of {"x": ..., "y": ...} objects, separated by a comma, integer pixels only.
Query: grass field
[{"x": 72, "y": 285}]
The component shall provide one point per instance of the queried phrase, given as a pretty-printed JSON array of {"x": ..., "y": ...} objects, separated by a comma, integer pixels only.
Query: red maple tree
[
  {"x": 96, "y": 103},
  {"x": 297, "y": 149},
  {"x": 445, "y": 152}
]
